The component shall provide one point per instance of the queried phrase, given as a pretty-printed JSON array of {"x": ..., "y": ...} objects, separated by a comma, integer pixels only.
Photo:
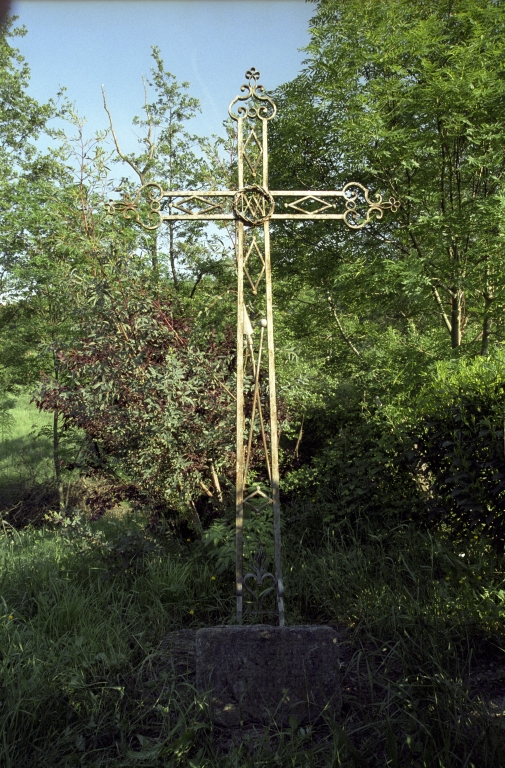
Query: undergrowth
[{"x": 84, "y": 606}]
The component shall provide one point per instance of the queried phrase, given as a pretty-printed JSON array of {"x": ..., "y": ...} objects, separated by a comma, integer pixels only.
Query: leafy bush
[
  {"x": 459, "y": 445},
  {"x": 158, "y": 406},
  {"x": 219, "y": 540},
  {"x": 122, "y": 549},
  {"x": 352, "y": 465}
]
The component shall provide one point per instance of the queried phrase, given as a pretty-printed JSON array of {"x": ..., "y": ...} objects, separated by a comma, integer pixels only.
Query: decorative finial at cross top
[
  {"x": 252, "y": 74},
  {"x": 251, "y": 206}
]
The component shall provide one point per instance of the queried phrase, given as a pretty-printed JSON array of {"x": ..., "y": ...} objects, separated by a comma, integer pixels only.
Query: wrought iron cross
[{"x": 253, "y": 206}]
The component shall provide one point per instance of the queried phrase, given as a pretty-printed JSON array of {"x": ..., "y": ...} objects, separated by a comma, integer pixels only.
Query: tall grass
[{"x": 83, "y": 681}]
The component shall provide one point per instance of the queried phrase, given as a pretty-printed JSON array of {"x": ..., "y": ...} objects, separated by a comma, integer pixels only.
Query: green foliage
[
  {"x": 415, "y": 618},
  {"x": 459, "y": 445},
  {"x": 75, "y": 648},
  {"x": 184, "y": 252},
  {"x": 358, "y": 469},
  {"x": 29, "y": 182},
  {"x": 383, "y": 579},
  {"x": 219, "y": 541},
  {"x": 406, "y": 99},
  {"x": 24, "y": 171},
  {"x": 122, "y": 547},
  {"x": 159, "y": 407},
  {"x": 412, "y": 96}
]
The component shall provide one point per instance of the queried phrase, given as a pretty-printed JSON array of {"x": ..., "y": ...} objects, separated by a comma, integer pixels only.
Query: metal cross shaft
[{"x": 252, "y": 207}]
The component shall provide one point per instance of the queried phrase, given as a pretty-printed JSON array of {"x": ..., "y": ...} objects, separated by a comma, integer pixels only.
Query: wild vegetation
[{"x": 117, "y": 493}]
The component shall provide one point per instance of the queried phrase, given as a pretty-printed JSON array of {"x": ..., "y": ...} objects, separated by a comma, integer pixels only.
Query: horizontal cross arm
[
  {"x": 152, "y": 205},
  {"x": 307, "y": 216}
]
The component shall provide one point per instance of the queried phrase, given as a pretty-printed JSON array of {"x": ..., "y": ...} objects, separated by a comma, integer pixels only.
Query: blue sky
[{"x": 210, "y": 43}]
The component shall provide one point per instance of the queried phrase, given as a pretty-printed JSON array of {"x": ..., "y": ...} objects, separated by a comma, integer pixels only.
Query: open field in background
[
  {"x": 24, "y": 454},
  {"x": 26, "y": 458}
]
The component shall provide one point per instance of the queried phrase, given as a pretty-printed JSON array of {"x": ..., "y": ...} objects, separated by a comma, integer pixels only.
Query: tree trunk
[
  {"x": 172, "y": 255},
  {"x": 56, "y": 441},
  {"x": 456, "y": 306},
  {"x": 195, "y": 519},
  {"x": 216, "y": 483},
  {"x": 486, "y": 325},
  {"x": 56, "y": 460},
  {"x": 340, "y": 327},
  {"x": 440, "y": 305}
]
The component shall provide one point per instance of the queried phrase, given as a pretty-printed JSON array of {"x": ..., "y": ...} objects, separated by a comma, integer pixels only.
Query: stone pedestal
[{"x": 262, "y": 674}]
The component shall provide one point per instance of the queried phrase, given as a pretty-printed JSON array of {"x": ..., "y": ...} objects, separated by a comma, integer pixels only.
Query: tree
[
  {"x": 23, "y": 169},
  {"x": 406, "y": 98},
  {"x": 31, "y": 311},
  {"x": 52, "y": 221},
  {"x": 128, "y": 373},
  {"x": 177, "y": 160}
]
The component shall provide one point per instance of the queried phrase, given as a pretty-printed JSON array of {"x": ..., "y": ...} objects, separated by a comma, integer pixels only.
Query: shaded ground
[
  {"x": 374, "y": 684},
  {"x": 371, "y": 672}
]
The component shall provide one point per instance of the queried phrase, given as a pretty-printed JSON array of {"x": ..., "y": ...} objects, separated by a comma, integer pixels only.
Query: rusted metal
[{"x": 253, "y": 206}]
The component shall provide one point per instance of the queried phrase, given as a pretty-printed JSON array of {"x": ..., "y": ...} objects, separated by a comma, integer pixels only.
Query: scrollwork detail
[
  {"x": 130, "y": 208},
  {"x": 267, "y": 109},
  {"x": 259, "y": 574},
  {"x": 351, "y": 192}
]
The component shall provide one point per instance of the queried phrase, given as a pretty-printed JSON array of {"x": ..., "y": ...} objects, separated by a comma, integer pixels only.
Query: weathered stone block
[{"x": 260, "y": 673}]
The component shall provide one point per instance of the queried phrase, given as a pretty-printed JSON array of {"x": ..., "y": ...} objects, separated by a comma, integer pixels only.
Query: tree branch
[
  {"x": 123, "y": 157},
  {"x": 195, "y": 286},
  {"x": 340, "y": 327},
  {"x": 433, "y": 288},
  {"x": 441, "y": 307}
]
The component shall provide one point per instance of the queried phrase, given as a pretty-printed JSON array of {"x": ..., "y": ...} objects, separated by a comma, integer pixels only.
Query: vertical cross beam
[{"x": 253, "y": 206}]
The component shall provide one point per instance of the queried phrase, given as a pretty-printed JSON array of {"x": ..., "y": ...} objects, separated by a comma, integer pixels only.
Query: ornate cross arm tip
[
  {"x": 150, "y": 207},
  {"x": 351, "y": 192},
  {"x": 358, "y": 207}
]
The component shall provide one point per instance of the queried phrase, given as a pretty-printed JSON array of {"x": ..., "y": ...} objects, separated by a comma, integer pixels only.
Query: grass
[
  {"x": 82, "y": 617},
  {"x": 26, "y": 459},
  {"x": 84, "y": 608},
  {"x": 25, "y": 455}
]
